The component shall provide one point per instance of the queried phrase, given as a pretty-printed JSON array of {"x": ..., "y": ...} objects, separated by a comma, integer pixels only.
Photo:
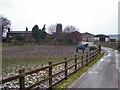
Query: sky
[{"x": 93, "y": 16}]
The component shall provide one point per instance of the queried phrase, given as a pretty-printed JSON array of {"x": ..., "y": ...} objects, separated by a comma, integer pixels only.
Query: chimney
[{"x": 8, "y": 29}]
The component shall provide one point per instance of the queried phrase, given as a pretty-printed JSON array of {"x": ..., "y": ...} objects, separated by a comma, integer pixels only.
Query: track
[{"x": 105, "y": 74}]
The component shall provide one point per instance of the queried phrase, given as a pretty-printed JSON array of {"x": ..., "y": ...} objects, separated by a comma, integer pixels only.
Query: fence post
[
  {"x": 94, "y": 54},
  {"x": 22, "y": 79},
  {"x": 50, "y": 74},
  {"x": 82, "y": 60},
  {"x": 75, "y": 63},
  {"x": 66, "y": 68},
  {"x": 99, "y": 48},
  {"x": 86, "y": 59},
  {"x": 90, "y": 56}
]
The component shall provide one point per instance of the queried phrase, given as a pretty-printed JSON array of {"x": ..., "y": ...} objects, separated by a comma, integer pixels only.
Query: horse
[{"x": 81, "y": 46}]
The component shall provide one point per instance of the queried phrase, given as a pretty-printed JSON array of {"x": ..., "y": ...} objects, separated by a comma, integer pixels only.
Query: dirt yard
[{"x": 31, "y": 57}]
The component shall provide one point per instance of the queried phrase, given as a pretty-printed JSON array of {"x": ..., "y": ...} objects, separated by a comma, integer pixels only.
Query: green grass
[{"x": 75, "y": 76}]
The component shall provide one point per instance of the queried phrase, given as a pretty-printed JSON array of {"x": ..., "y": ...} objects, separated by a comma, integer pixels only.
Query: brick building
[{"x": 19, "y": 35}]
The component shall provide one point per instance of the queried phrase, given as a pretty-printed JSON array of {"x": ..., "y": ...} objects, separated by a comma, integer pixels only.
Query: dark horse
[{"x": 81, "y": 46}]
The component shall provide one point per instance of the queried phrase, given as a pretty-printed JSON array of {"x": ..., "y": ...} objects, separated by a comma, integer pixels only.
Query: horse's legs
[
  {"x": 76, "y": 50},
  {"x": 83, "y": 50}
]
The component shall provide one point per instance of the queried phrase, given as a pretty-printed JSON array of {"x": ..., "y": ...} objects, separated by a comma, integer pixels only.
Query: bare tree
[
  {"x": 69, "y": 29},
  {"x": 5, "y": 25},
  {"x": 52, "y": 29}
]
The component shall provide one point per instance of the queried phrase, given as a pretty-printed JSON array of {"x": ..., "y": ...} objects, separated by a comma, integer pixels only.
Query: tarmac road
[{"x": 105, "y": 74}]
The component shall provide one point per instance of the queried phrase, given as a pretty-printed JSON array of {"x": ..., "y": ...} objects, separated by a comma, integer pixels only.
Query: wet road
[{"x": 105, "y": 74}]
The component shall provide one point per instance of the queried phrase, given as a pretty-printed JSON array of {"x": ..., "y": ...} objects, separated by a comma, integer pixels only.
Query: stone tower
[
  {"x": 59, "y": 28},
  {"x": 58, "y": 34}
]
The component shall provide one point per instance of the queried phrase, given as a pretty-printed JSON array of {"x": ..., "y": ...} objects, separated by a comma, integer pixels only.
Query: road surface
[{"x": 105, "y": 74}]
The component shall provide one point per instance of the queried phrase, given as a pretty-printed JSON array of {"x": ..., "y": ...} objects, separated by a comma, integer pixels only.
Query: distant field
[
  {"x": 115, "y": 45},
  {"x": 31, "y": 57},
  {"x": 115, "y": 36}
]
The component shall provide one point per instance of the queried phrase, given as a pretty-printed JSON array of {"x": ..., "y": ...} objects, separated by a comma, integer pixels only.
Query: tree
[
  {"x": 43, "y": 33},
  {"x": 38, "y": 33},
  {"x": 69, "y": 29},
  {"x": 5, "y": 24},
  {"x": 35, "y": 32},
  {"x": 71, "y": 35},
  {"x": 26, "y": 29},
  {"x": 43, "y": 29},
  {"x": 52, "y": 29}
]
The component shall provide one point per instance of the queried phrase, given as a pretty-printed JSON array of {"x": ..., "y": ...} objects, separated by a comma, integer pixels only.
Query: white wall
[
  {"x": 107, "y": 39},
  {"x": 96, "y": 38}
]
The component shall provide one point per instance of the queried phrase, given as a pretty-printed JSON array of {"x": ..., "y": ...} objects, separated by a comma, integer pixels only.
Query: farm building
[
  {"x": 4, "y": 39},
  {"x": 87, "y": 37},
  {"x": 58, "y": 33},
  {"x": 76, "y": 36},
  {"x": 19, "y": 35},
  {"x": 101, "y": 38}
]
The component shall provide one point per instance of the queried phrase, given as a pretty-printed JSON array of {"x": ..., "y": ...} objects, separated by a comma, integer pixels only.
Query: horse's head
[{"x": 86, "y": 45}]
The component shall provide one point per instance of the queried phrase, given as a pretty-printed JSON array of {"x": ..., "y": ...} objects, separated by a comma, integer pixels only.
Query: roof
[
  {"x": 86, "y": 33},
  {"x": 19, "y": 32},
  {"x": 101, "y": 35},
  {"x": 76, "y": 32}
]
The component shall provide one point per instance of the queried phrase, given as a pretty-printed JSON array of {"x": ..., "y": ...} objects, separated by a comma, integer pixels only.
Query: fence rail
[{"x": 67, "y": 69}]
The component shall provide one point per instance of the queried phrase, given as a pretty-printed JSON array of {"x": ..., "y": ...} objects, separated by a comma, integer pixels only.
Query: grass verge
[
  {"x": 75, "y": 76},
  {"x": 113, "y": 47}
]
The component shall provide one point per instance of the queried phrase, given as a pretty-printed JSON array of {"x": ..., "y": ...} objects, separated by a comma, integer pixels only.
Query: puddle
[
  {"x": 102, "y": 59},
  {"x": 92, "y": 72}
]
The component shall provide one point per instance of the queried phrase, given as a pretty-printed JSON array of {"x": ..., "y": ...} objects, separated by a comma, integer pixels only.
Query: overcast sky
[{"x": 93, "y": 16}]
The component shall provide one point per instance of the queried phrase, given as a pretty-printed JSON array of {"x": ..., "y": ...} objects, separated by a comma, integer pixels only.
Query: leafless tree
[
  {"x": 52, "y": 29},
  {"x": 5, "y": 25},
  {"x": 69, "y": 29}
]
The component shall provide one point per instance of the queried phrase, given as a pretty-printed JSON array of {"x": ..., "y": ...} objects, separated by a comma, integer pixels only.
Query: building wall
[
  {"x": 91, "y": 39},
  {"x": 96, "y": 38},
  {"x": 107, "y": 39},
  {"x": 99, "y": 39},
  {"x": 88, "y": 39},
  {"x": 59, "y": 28},
  {"x": 76, "y": 36},
  {"x": 58, "y": 33},
  {"x": 22, "y": 37}
]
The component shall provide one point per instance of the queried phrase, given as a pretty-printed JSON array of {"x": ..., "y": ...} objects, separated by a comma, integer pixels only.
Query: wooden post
[
  {"x": 94, "y": 54},
  {"x": 86, "y": 59},
  {"x": 65, "y": 68},
  {"x": 82, "y": 60},
  {"x": 50, "y": 74},
  {"x": 99, "y": 48},
  {"x": 75, "y": 63},
  {"x": 90, "y": 56},
  {"x": 90, "y": 49},
  {"x": 22, "y": 79}
]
